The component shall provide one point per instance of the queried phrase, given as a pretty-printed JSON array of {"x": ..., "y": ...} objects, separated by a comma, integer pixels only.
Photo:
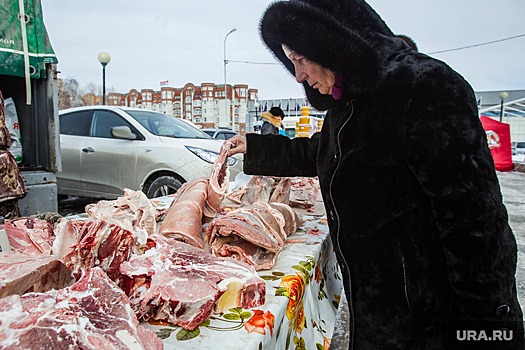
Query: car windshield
[{"x": 162, "y": 125}]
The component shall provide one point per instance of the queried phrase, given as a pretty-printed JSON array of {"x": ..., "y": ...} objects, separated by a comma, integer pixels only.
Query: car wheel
[{"x": 162, "y": 186}]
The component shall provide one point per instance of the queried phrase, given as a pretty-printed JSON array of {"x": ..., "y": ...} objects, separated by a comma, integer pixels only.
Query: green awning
[{"x": 24, "y": 44}]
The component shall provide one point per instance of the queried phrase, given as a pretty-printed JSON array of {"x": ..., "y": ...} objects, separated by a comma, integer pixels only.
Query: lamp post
[
  {"x": 256, "y": 107},
  {"x": 502, "y": 95},
  {"x": 225, "y": 86},
  {"x": 104, "y": 59}
]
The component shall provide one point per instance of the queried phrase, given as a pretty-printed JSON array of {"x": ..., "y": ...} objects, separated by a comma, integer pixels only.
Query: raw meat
[
  {"x": 184, "y": 217},
  {"x": 292, "y": 219},
  {"x": 92, "y": 314},
  {"x": 86, "y": 244},
  {"x": 181, "y": 284},
  {"x": 30, "y": 236},
  {"x": 248, "y": 235},
  {"x": 304, "y": 192},
  {"x": 133, "y": 211},
  {"x": 259, "y": 188},
  {"x": 21, "y": 273},
  {"x": 218, "y": 184},
  {"x": 281, "y": 193}
]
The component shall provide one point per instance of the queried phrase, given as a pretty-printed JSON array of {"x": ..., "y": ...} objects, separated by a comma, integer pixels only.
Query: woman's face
[{"x": 317, "y": 76}]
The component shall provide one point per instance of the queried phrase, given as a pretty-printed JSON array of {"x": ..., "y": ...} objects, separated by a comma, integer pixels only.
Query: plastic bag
[{"x": 11, "y": 120}]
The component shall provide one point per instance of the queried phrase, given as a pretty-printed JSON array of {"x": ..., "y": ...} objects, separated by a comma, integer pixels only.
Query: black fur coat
[{"x": 413, "y": 201}]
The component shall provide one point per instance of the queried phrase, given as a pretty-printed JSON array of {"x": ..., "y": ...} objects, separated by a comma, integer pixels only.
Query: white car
[{"x": 107, "y": 148}]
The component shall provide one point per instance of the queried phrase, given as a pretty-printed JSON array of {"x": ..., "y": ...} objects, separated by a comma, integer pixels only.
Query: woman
[
  {"x": 272, "y": 121},
  {"x": 413, "y": 201}
]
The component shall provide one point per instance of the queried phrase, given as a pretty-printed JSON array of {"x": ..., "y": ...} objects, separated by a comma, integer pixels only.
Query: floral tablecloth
[{"x": 302, "y": 295}]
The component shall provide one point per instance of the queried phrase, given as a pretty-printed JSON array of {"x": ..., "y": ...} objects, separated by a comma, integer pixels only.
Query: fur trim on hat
[{"x": 272, "y": 119}]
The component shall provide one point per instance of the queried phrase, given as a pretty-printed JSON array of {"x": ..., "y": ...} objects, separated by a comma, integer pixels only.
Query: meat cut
[
  {"x": 181, "y": 284},
  {"x": 30, "y": 235},
  {"x": 183, "y": 219},
  {"x": 22, "y": 273},
  {"x": 82, "y": 245},
  {"x": 254, "y": 234},
  {"x": 91, "y": 314},
  {"x": 218, "y": 184},
  {"x": 133, "y": 211},
  {"x": 304, "y": 192}
]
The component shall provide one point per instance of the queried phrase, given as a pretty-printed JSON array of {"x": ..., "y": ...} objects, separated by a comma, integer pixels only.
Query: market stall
[{"x": 302, "y": 296}]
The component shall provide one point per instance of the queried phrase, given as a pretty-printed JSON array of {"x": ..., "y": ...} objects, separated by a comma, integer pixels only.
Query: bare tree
[{"x": 68, "y": 93}]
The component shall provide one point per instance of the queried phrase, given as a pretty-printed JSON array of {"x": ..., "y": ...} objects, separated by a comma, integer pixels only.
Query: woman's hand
[{"x": 239, "y": 145}]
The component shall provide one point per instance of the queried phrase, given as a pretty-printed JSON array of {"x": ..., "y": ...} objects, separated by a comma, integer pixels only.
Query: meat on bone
[
  {"x": 22, "y": 273},
  {"x": 91, "y": 314},
  {"x": 30, "y": 235},
  {"x": 181, "y": 284}
]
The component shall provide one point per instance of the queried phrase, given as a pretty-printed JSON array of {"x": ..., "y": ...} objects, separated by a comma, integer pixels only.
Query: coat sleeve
[
  {"x": 277, "y": 155},
  {"x": 447, "y": 153}
]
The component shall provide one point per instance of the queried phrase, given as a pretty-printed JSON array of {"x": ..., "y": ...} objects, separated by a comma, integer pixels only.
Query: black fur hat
[{"x": 277, "y": 112}]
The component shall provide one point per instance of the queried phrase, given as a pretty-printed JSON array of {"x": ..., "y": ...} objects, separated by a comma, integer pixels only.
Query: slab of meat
[
  {"x": 259, "y": 188},
  {"x": 248, "y": 234},
  {"x": 133, "y": 211},
  {"x": 304, "y": 192},
  {"x": 292, "y": 219},
  {"x": 183, "y": 220},
  {"x": 181, "y": 284},
  {"x": 281, "y": 192},
  {"x": 21, "y": 273},
  {"x": 86, "y": 244},
  {"x": 218, "y": 184},
  {"x": 91, "y": 314},
  {"x": 30, "y": 236}
]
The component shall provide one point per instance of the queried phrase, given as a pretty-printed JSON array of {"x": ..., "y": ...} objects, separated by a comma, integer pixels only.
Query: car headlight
[{"x": 209, "y": 156}]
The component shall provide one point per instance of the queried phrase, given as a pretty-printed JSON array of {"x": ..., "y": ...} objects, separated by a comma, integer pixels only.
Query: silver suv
[{"x": 106, "y": 149}]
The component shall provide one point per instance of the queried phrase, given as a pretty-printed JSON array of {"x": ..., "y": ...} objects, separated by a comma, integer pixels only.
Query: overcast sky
[{"x": 183, "y": 41}]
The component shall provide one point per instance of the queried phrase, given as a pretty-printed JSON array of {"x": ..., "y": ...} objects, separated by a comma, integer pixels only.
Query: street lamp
[
  {"x": 502, "y": 95},
  {"x": 225, "y": 88},
  {"x": 256, "y": 106},
  {"x": 104, "y": 59}
]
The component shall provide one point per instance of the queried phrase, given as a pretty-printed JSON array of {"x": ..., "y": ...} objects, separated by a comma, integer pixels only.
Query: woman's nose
[{"x": 300, "y": 74}]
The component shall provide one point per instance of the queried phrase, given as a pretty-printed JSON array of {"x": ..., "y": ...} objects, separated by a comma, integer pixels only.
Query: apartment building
[{"x": 207, "y": 105}]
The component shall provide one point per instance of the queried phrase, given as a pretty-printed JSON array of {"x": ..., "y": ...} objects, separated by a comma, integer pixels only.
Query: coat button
[
  {"x": 332, "y": 215},
  {"x": 335, "y": 156},
  {"x": 502, "y": 310}
]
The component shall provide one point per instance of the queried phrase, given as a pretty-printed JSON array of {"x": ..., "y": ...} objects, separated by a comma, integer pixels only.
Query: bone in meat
[
  {"x": 181, "y": 284},
  {"x": 91, "y": 314}
]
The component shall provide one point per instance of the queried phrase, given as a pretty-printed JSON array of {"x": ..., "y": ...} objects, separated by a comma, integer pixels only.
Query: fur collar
[
  {"x": 347, "y": 37},
  {"x": 271, "y": 119}
]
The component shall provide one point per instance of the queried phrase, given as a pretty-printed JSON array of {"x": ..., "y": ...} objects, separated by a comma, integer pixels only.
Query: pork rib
[{"x": 92, "y": 314}]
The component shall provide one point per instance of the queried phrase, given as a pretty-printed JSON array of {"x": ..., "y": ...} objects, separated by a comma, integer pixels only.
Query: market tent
[
  {"x": 498, "y": 138},
  {"x": 25, "y": 48}
]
